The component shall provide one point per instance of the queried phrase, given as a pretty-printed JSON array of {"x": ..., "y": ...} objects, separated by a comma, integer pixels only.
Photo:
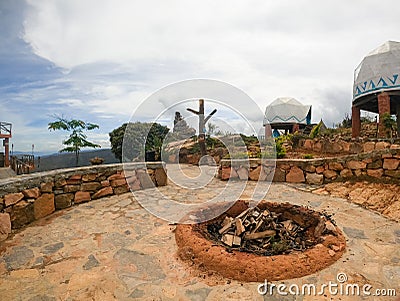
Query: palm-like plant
[{"x": 77, "y": 138}]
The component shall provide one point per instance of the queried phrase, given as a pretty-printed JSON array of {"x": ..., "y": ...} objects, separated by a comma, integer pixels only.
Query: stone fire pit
[{"x": 206, "y": 246}]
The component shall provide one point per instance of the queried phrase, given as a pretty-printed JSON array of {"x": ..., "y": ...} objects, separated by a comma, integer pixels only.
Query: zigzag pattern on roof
[
  {"x": 286, "y": 120},
  {"x": 386, "y": 82}
]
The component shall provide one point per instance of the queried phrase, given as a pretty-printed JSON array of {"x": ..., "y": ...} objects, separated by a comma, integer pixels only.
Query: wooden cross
[{"x": 202, "y": 125}]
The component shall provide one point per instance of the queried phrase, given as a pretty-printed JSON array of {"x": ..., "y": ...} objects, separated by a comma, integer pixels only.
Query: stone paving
[
  {"x": 113, "y": 249},
  {"x": 6, "y": 172}
]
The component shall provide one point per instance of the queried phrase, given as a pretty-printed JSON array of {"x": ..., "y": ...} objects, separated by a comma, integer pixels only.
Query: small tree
[
  {"x": 346, "y": 122},
  {"x": 77, "y": 138},
  {"x": 116, "y": 139},
  {"x": 139, "y": 137},
  {"x": 211, "y": 127}
]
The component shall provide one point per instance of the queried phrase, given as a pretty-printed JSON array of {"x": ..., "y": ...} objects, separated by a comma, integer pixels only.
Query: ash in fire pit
[
  {"x": 265, "y": 232},
  {"x": 272, "y": 241}
]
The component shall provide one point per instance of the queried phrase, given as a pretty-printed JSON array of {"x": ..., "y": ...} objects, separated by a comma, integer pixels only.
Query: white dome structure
[
  {"x": 378, "y": 71},
  {"x": 287, "y": 110},
  {"x": 377, "y": 85},
  {"x": 286, "y": 113}
]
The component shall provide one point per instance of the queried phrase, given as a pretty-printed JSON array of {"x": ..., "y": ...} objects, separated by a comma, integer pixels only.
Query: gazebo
[
  {"x": 286, "y": 113},
  {"x": 377, "y": 86}
]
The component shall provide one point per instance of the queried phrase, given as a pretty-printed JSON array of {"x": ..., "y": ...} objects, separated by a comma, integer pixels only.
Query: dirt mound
[{"x": 383, "y": 198}]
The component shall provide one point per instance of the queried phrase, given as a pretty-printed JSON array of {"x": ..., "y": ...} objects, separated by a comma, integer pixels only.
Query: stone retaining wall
[
  {"x": 383, "y": 165},
  {"x": 26, "y": 198},
  {"x": 353, "y": 146}
]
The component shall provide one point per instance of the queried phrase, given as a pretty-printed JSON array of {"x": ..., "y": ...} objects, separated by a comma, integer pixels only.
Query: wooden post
[
  {"x": 202, "y": 126},
  {"x": 202, "y": 129}
]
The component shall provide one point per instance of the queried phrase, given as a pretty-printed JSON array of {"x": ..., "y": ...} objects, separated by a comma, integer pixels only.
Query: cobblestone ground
[{"x": 113, "y": 249}]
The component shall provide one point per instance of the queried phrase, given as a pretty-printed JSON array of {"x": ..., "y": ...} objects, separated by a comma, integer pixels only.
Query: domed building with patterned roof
[
  {"x": 286, "y": 113},
  {"x": 377, "y": 86}
]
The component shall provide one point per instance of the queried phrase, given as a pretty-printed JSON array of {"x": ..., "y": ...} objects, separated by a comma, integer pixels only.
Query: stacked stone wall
[
  {"x": 345, "y": 147},
  {"x": 382, "y": 165}
]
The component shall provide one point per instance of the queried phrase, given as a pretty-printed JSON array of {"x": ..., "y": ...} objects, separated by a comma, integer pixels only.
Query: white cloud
[
  {"x": 68, "y": 102},
  {"x": 89, "y": 31}
]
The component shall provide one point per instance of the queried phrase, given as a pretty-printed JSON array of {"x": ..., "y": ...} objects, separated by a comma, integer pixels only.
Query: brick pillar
[
  {"x": 355, "y": 122},
  {"x": 398, "y": 119},
  {"x": 383, "y": 107},
  {"x": 268, "y": 131},
  {"x": 7, "y": 152},
  {"x": 295, "y": 128}
]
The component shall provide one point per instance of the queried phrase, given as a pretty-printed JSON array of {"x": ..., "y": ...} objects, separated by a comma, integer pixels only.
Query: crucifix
[{"x": 202, "y": 125}]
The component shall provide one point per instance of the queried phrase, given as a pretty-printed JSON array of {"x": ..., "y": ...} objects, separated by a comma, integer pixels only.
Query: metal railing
[
  {"x": 23, "y": 164},
  {"x": 5, "y": 129}
]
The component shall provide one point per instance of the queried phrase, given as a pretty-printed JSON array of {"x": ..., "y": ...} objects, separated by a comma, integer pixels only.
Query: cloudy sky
[{"x": 97, "y": 60}]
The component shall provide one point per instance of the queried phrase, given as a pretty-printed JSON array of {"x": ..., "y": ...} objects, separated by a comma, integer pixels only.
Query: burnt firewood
[
  {"x": 227, "y": 227},
  {"x": 268, "y": 233},
  {"x": 227, "y": 239},
  {"x": 257, "y": 235},
  {"x": 239, "y": 227}
]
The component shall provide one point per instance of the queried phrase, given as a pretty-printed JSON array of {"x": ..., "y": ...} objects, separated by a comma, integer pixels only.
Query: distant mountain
[
  {"x": 66, "y": 160},
  {"x": 18, "y": 153}
]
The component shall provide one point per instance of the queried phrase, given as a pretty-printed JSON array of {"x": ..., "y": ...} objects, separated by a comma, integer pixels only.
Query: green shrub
[
  {"x": 194, "y": 149},
  {"x": 248, "y": 140},
  {"x": 331, "y": 132},
  {"x": 389, "y": 123},
  {"x": 315, "y": 131},
  {"x": 242, "y": 155},
  {"x": 280, "y": 150},
  {"x": 213, "y": 143}
]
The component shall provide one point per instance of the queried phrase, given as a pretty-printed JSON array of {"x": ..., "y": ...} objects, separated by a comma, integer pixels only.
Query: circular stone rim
[{"x": 199, "y": 250}]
